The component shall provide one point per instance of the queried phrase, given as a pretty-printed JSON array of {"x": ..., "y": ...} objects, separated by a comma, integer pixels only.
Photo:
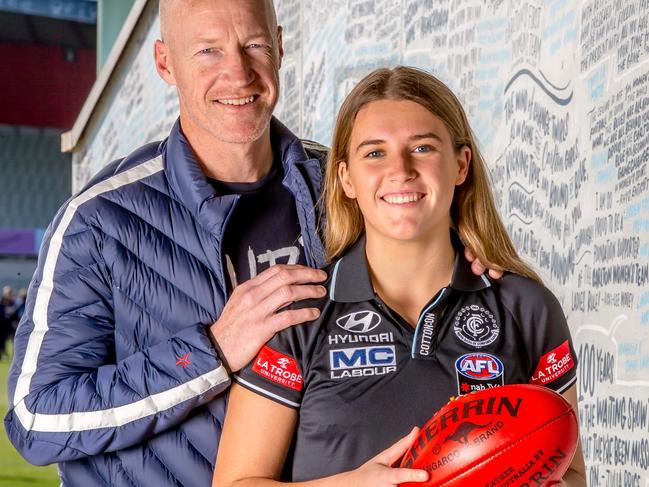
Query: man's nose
[{"x": 237, "y": 68}]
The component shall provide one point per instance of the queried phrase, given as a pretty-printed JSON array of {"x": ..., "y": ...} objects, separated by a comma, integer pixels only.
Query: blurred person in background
[{"x": 8, "y": 308}]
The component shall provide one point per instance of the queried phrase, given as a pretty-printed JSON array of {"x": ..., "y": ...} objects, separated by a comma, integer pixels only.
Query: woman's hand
[{"x": 377, "y": 471}]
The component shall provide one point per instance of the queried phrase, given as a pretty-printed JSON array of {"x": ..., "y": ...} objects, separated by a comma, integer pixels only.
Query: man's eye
[
  {"x": 207, "y": 50},
  {"x": 423, "y": 148},
  {"x": 257, "y": 46}
]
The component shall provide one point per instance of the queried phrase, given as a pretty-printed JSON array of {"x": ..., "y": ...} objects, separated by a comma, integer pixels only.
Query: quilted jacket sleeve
[{"x": 70, "y": 396}]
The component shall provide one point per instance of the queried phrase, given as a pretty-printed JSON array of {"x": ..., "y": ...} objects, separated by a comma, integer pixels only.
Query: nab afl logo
[
  {"x": 481, "y": 366},
  {"x": 476, "y": 326},
  {"x": 359, "y": 322}
]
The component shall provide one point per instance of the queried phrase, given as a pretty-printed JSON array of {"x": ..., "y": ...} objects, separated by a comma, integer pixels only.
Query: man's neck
[
  {"x": 407, "y": 274},
  {"x": 232, "y": 163}
]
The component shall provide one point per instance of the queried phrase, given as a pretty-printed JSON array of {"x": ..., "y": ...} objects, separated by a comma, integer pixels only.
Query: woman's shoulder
[
  {"x": 317, "y": 302},
  {"x": 524, "y": 291},
  {"x": 305, "y": 337}
]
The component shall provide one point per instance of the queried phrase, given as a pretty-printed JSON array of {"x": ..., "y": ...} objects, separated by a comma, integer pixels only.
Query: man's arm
[
  {"x": 478, "y": 267},
  {"x": 69, "y": 395},
  {"x": 252, "y": 314}
]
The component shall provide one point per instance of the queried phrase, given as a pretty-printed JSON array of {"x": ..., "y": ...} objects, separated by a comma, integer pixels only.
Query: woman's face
[{"x": 402, "y": 170}]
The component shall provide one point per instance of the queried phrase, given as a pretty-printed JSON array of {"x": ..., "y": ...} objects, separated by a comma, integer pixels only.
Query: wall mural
[{"x": 557, "y": 93}]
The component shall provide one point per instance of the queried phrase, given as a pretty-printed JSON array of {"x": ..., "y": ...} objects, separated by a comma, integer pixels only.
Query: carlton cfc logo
[
  {"x": 359, "y": 322},
  {"x": 481, "y": 366},
  {"x": 476, "y": 326}
]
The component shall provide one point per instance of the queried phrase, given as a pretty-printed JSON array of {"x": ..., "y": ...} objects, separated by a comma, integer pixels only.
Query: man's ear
[
  {"x": 163, "y": 62},
  {"x": 345, "y": 180},
  {"x": 463, "y": 162}
]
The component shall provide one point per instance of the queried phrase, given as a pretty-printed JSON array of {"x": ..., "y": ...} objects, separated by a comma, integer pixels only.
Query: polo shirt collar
[
  {"x": 350, "y": 278},
  {"x": 463, "y": 277},
  {"x": 191, "y": 186},
  {"x": 351, "y": 283}
]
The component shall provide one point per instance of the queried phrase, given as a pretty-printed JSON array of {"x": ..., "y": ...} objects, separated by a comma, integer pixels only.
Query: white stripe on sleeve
[
  {"x": 118, "y": 416},
  {"x": 265, "y": 392}
]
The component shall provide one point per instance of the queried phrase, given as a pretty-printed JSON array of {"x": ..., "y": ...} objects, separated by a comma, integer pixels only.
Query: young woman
[{"x": 406, "y": 325}]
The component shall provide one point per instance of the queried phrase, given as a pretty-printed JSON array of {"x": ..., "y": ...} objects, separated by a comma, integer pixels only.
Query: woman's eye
[
  {"x": 207, "y": 50},
  {"x": 374, "y": 153}
]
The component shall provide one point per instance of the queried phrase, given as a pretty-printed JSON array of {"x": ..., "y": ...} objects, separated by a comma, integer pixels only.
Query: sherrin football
[{"x": 511, "y": 436}]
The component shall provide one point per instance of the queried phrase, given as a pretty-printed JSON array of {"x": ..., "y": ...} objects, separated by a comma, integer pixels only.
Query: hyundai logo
[{"x": 359, "y": 322}]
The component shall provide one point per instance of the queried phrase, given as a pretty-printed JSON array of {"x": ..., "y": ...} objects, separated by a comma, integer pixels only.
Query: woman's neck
[{"x": 406, "y": 275}]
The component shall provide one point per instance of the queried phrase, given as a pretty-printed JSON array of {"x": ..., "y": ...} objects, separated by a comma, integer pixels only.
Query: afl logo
[
  {"x": 481, "y": 366},
  {"x": 359, "y": 322},
  {"x": 476, "y": 326}
]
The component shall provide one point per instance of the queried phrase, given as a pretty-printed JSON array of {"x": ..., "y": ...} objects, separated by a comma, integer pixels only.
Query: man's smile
[{"x": 237, "y": 101}]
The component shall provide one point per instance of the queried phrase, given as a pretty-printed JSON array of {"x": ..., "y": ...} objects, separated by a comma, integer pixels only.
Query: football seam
[{"x": 504, "y": 449}]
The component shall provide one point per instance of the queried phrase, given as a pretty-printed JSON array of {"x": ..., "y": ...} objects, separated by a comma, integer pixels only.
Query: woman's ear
[
  {"x": 345, "y": 180},
  {"x": 463, "y": 162}
]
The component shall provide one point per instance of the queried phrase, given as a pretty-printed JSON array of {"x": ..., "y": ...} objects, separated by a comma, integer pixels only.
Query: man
[
  {"x": 114, "y": 362},
  {"x": 127, "y": 343}
]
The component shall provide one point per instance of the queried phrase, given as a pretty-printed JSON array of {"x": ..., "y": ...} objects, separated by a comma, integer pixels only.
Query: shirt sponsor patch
[
  {"x": 476, "y": 326},
  {"x": 359, "y": 322},
  {"x": 339, "y": 339},
  {"x": 278, "y": 368},
  {"x": 362, "y": 361},
  {"x": 553, "y": 365},
  {"x": 477, "y": 371}
]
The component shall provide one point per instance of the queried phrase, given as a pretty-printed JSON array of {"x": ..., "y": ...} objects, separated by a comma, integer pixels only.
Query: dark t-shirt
[
  {"x": 263, "y": 230},
  {"x": 362, "y": 377}
]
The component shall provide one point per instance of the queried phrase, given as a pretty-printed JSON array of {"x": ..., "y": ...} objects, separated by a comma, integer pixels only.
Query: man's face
[{"x": 224, "y": 57}]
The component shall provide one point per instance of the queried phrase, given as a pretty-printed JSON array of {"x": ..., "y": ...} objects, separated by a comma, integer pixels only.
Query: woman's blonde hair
[{"x": 473, "y": 211}]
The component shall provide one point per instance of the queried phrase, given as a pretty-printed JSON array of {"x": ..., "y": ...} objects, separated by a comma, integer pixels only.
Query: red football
[{"x": 511, "y": 436}]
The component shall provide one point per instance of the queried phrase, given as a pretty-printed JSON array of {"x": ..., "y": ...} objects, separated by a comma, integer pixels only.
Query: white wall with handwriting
[{"x": 558, "y": 94}]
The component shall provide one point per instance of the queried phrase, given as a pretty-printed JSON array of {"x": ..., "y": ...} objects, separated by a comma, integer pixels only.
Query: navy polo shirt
[{"x": 362, "y": 377}]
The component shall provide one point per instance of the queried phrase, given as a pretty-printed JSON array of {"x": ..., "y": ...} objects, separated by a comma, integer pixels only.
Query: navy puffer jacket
[{"x": 114, "y": 376}]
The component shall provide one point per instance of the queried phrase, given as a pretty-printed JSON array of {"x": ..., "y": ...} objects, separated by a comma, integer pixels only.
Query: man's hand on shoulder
[
  {"x": 478, "y": 268},
  {"x": 250, "y": 316}
]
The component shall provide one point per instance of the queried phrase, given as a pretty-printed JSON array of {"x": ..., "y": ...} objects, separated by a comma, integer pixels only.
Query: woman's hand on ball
[{"x": 377, "y": 472}]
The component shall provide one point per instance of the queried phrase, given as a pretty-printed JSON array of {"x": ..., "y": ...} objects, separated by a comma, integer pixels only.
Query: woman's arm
[
  {"x": 576, "y": 474},
  {"x": 256, "y": 437}
]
